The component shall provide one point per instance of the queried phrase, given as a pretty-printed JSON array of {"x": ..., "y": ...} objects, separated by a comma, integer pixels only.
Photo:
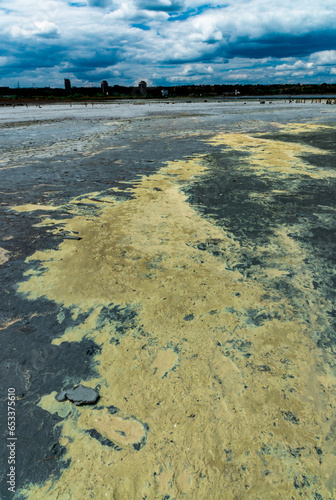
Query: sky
[{"x": 166, "y": 42}]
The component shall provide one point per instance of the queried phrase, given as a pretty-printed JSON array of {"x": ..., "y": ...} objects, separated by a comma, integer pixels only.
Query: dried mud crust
[{"x": 211, "y": 309}]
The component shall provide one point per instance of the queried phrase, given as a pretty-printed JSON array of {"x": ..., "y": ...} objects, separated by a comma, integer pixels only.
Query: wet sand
[{"x": 182, "y": 262}]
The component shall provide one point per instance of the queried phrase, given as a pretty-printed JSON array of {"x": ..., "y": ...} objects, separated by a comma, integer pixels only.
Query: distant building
[
  {"x": 104, "y": 87},
  {"x": 67, "y": 84},
  {"x": 164, "y": 93},
  {"x": 143, "y": 88}
]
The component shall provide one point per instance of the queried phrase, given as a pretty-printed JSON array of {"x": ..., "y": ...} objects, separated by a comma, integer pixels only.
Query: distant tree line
[{"x": 119, "y": 92}]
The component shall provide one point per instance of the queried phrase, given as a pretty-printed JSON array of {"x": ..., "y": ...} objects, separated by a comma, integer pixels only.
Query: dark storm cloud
[
  {"x": 32, "y": 55},
  {"x": 99, "y": 60},
  {"x": 280, "y": 46}
]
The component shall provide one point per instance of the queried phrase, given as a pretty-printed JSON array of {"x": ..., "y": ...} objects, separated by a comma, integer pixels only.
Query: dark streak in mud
[
  {"x": 103, "y": 440},
  {"x": 34, "y": 368}
]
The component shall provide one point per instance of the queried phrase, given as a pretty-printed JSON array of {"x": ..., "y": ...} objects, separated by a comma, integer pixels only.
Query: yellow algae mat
[{"x": 196, "y": 401}]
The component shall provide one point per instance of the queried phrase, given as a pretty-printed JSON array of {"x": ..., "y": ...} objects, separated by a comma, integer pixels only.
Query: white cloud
[
  {"x": 36, "y": 29},
  {"x": 324, "y": 57},
  {"x": 295, "y": 65},
  {"x": 5, "y": 60}
]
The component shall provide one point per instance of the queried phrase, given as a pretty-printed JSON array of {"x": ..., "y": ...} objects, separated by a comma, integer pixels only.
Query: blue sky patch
[{"x": 141, "y": 26}]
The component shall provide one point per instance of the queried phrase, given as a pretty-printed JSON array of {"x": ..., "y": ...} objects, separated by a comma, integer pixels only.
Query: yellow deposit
[{"x": 195, "y": 419}]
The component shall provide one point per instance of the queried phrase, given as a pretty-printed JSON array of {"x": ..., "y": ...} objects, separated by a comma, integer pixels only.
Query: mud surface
[{"x": 179, "y": 259}]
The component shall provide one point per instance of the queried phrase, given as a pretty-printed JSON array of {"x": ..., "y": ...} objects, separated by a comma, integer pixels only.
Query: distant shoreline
[{"x": 10, "y": 101}]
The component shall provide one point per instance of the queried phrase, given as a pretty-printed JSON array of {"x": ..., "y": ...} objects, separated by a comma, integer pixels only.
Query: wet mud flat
[{"x": 179, "y": 260}]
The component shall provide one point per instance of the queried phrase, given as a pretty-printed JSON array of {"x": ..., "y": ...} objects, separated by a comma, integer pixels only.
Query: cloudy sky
[{"x": 166, "y": 42}]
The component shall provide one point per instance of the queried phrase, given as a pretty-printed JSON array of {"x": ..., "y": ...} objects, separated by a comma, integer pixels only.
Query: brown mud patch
[{"x": 224, "y": 406}]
